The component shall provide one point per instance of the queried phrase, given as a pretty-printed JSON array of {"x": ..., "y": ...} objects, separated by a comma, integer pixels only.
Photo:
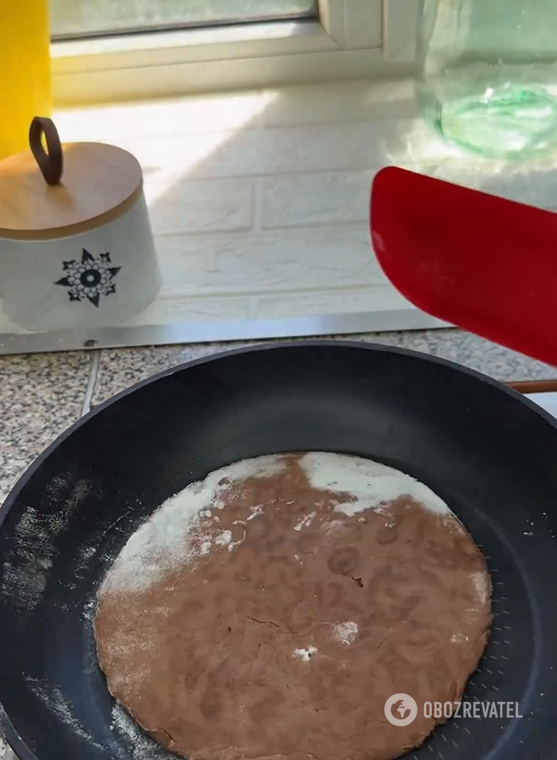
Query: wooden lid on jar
[{"x": 71, "y": 189}]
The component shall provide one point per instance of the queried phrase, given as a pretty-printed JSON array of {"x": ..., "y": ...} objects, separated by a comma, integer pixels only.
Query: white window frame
[
  {"x": 400, "y": 29},
  {"x": 352, "y": 39}
]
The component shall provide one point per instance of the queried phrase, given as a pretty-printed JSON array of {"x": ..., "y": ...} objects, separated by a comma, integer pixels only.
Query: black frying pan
[{"x": 488, "y": 452}]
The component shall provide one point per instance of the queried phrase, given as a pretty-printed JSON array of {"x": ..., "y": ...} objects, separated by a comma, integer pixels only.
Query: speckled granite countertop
[{"x": 43, "y": 394}]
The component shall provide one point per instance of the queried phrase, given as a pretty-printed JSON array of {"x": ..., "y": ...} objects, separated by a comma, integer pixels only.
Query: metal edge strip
[{"x": 216, "y": 332}]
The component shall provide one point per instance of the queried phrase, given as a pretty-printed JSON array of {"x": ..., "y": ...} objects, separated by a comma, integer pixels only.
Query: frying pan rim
[{"x": 17, "y": 744}]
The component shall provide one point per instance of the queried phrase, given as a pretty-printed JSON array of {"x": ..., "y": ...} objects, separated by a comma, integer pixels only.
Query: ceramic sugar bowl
[{"x": 76, "y": 246}]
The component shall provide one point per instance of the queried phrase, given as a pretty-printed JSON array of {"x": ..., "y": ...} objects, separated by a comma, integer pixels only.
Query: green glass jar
[{"x": 488, "y": 74}]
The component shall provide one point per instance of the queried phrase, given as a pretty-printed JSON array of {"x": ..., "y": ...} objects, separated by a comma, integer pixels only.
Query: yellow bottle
[{"x": 24, "y": 70}]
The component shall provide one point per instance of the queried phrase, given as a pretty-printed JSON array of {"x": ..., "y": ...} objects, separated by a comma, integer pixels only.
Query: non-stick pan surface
[{"x": 489, "y": 453}]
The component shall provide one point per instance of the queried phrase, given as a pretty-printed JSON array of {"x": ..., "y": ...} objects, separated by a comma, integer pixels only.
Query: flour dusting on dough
[
  {"x": 164, "y": 541},
  {"x": 482, "y": 586},
  {"x": 305, "y": 522},
  {"x": 175, "y": 534},
  {"x": 369, "y": 484},
  {"x": 305, "y": 653},
  {"x": 346, "y": 633},
  {"x": 138, "y": 744}
]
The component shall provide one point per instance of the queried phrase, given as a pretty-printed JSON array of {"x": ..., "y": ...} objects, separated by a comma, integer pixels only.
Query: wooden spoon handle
[
  {"x": 51, "y": 164},
  {"x": 535, "y": 386}
]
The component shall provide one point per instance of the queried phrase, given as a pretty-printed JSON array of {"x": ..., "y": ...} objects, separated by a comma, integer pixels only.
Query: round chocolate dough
[{"x": 272, "y": 610}]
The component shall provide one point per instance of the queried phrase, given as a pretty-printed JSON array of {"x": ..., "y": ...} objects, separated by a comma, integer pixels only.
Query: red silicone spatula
[{"x": 475, "y": 260}]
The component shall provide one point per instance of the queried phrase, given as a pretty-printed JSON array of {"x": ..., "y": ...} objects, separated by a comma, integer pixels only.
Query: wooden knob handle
[{"x": 51, "y": 164}]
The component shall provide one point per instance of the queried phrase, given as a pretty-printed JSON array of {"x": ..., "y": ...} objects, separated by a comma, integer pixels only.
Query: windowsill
[
  {"x": 354, "y": 39},
  {"x": 200, "y": 43}
]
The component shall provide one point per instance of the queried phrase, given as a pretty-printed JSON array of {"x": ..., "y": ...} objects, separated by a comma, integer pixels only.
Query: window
[
  {"x": 85, "y": 18},
  {"x": 135, "y": 49}
]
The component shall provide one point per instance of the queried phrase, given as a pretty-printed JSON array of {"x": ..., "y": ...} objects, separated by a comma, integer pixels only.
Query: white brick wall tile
[
  {"x": 312, "y": 199},
  {"x": 186, "y": 115},
  {"x": 190, "y": 207},
  {"x": 318, "y": 147},
  {"x": 269, "y": 262},
  {"x": 167, "y": 310},
  {"x": 530, "y": 183},
  {"x": 350, "y": 101},
  {"x": 327, "y": 302}
]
